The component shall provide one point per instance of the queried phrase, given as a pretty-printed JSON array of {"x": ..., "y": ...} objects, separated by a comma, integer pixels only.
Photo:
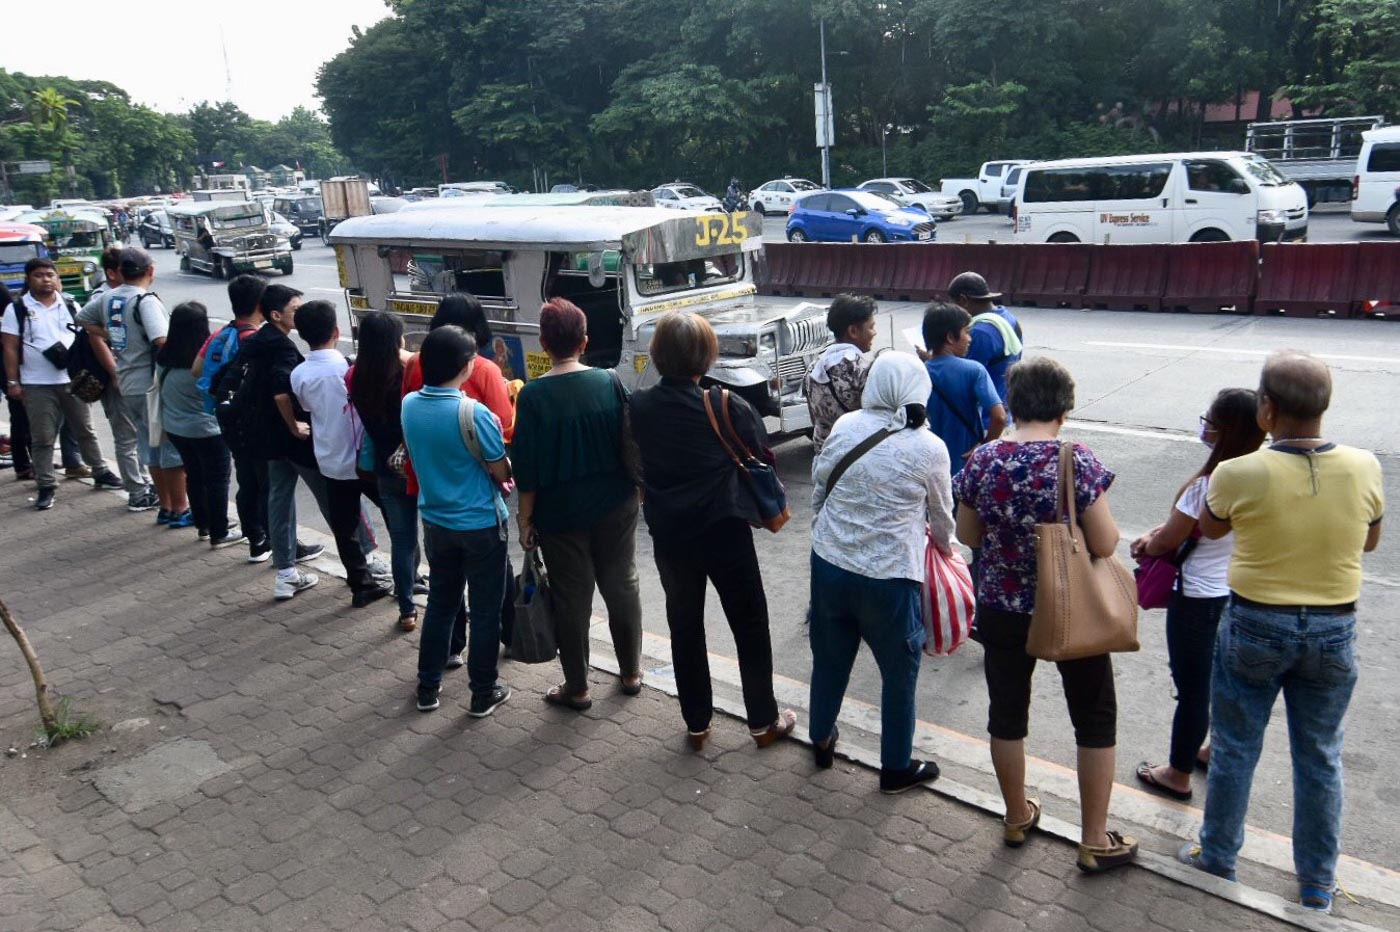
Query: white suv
[
  {"x": 778, "y": 196},
  {"x": 1375, "y": 192}
]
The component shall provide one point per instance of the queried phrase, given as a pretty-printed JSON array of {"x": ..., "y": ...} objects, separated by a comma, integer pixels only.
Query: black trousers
[
  {"x": 724, "y": 555},
  {"x": 251, "y": 497},
  {"x": 207, "y": 464},
  {"x": 343, "y": 504},
  {"x": 1191, "y": 627}
]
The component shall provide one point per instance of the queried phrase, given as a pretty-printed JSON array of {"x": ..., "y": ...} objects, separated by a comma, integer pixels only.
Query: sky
[{"x": 172, "y": 57}]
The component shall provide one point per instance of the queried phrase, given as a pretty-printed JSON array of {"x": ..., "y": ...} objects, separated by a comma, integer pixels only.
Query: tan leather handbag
[{"x": 1084, "y": 605}]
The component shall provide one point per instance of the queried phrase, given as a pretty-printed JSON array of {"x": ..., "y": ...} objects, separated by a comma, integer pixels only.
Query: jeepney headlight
[
  {"x": 89, "y": 268},
  {"x": 1273, "y": 216}
]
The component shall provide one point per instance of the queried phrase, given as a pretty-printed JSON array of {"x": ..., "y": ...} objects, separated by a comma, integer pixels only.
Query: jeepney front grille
[
  {"x": 806, "y": 334},
  {"x": 254, "y": 242},
  {"x": 792, "y": 368}
]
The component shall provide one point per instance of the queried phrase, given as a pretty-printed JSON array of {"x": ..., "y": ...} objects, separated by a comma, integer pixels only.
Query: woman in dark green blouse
[{"x": 577, "y": 503}]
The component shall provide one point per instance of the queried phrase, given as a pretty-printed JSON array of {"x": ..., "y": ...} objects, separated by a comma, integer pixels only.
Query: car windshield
[
  {"x": 670, "y": 277},
  {"x": 225, "y": 219},
  {"x": 1264, "y": 172},
  {"x": 687, "y": 190},
  {"x": 17, "y": 253},
  {"x": 917, "y": 186},
  {"x": 871, "y": 200},
  {"x": 801, "y": 184}
]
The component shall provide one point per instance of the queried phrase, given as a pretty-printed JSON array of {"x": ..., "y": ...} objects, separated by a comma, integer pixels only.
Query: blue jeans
[
  {"x": 1312, "y": 658},
  {"x": 457, "y": 560},
  {"x": 846, "y": 609},
  {"x": 401, "y": 514}
]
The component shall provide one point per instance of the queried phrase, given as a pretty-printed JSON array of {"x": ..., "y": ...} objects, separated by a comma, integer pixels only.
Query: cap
[{"x": 971, "y": 285}]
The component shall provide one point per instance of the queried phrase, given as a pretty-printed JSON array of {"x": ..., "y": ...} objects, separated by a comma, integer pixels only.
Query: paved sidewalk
[{"x": 268, "y": 771}]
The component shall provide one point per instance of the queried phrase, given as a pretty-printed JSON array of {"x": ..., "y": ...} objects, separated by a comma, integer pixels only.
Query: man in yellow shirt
[{"x": 1303, "y": 510}]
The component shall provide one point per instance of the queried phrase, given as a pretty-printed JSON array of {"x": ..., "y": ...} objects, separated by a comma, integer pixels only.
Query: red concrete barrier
[
  {"x": 1126, "y": 278},
  {"x": 998, "y": 263},
  {"x": 923, "y": 271},
  {"x": 1050, "y": 274},
  {"x": 1306, "y": 279},
  {"x": 1209, "y": 277},
  {"x": 1376, "y": 290}
]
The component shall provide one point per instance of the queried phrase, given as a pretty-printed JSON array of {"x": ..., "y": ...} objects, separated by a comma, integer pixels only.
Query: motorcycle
[{"x": 735, "y": 201}]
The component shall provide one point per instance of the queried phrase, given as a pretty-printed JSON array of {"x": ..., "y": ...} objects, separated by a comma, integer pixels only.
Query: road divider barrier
[{"x": 1293, "y": 279}]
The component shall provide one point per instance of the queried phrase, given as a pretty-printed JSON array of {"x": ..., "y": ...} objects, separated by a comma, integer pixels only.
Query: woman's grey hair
[
  {"x": 1299, "y": 385},
  {"x": 1039, "y": 389}
]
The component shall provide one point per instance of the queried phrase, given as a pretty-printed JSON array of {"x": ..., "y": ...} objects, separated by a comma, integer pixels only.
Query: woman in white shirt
[
  {"x": 878, "y": 481},
  {"x": 1230, "y": 429}
]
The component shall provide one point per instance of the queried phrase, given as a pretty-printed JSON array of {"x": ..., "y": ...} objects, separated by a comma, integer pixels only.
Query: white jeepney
[{"x": 623, "y": 266}]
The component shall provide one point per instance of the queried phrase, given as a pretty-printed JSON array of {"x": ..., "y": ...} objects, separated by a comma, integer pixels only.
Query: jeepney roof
[
  {"x": 612, "y": 198},
  {"x": 22, "y": 233},
  {"x": 63, "y": 215},
  {"x": 221, "y": 208},
  {"x": 645, "y": 234}
]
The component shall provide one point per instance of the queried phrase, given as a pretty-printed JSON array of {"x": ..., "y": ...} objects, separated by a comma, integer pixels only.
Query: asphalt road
[{"x": 1142, "y": 380}]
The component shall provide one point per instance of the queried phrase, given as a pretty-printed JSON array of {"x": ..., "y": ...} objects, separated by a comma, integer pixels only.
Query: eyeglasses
[{"x": 1206, "y": 422}]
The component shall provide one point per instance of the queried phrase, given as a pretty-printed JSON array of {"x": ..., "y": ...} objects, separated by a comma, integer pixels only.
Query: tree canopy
[{"x": 636, "y": 92}]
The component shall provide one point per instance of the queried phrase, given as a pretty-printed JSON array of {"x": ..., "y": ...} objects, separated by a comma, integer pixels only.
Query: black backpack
[{"x": 235, "y": 402}]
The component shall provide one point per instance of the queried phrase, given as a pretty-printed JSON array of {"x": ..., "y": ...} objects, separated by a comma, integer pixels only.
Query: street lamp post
[
  {"x": 884, "y": 162},
  {"x": 826, "y": 113}
]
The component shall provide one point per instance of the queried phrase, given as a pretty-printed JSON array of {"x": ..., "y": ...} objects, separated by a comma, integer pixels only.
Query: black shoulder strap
[
  {"x": 860, "y": 449},
  {"x": 961, "y": 416}
]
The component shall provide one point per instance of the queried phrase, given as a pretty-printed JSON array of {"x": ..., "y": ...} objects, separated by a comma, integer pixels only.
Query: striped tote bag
[{"x": 948, "y": 600}]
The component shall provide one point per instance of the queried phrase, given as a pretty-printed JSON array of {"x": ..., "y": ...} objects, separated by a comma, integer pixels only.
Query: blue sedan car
[{"x": 851, "y": 215}]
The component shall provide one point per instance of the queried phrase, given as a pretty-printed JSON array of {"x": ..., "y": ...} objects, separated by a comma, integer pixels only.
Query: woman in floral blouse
[
  {"x": 1006, "y": 489},
  {"x": 837, "y": 378}
]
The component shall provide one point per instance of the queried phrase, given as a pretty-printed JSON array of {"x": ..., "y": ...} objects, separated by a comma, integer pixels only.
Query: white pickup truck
[{"x": 984, "y": 190}]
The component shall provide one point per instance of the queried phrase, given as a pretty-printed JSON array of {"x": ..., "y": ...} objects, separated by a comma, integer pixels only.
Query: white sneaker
[
  {"x": 379, "y": 569},
  {"x": 287, "y": 587},
  {"x": 454, "y": 661}
]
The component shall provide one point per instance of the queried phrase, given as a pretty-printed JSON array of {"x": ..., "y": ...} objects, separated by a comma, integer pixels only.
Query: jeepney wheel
[
  {"x": 286, "y": 267},
  {"x": 184, "y": 263},
  {"x": 168, "y": 242},
  {"x": 221, "y": 270}
]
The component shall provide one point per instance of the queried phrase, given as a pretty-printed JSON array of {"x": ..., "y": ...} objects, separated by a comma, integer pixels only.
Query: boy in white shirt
[{"x": 319, "y": 387}]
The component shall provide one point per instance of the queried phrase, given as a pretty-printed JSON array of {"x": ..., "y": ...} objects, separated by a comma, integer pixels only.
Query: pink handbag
[{"x": 948, "y": 600}]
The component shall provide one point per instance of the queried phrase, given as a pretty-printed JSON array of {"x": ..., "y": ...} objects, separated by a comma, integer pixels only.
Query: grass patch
[{"x": 70, "y": 724}]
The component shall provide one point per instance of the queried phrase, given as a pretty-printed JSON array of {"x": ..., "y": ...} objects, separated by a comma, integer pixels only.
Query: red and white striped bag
[{"x": 948, "y": 600}]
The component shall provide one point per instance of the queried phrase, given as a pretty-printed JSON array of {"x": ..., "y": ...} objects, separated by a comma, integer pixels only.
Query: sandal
[
  {"x": 408, "y": 622},
  {"x": 763, "y": 737},
  {"x": 633, "y": 688},
  {"x": 1014, "y": 834},
  {"x": 557, "y": 696},
  {"x": 1149, "y": 779},
  {"x": 1316, "y": 898}
]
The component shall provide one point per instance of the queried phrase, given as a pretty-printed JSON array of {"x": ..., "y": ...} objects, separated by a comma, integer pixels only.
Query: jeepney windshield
[
  {"x": 670, "y": 277},
  {"x": 69, "y": 234},
  {"x": 17, "y": 253},
  {"x": 250, "y": 215}
]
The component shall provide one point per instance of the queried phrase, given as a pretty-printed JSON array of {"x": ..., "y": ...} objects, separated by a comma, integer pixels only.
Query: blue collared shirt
[{"x": 454, "y": 490}]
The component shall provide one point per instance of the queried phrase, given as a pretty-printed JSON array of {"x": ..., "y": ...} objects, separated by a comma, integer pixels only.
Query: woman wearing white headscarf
[{"x": 878, "y": 481}]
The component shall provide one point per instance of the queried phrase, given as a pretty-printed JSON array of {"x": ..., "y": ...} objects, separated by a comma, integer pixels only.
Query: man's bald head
[{"x": 1299, "y": 385}]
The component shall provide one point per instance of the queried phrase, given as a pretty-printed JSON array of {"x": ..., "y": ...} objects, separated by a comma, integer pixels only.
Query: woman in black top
[
  {"x": 701, "y": 518},
  {"x": 375, "y": 391}
]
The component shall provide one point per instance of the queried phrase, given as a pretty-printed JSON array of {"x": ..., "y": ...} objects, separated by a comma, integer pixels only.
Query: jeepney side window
[
  {"x": 668, "y": 277},
  {"x": 567, "y": 277},
  {"x": 478, "y": 272}
]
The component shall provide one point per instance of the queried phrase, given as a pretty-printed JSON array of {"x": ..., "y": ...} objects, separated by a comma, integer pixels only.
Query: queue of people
[{"x": 911, "y": 452}]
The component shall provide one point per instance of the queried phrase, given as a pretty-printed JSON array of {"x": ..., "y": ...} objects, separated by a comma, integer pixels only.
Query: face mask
[{"x": 1204, "y": 439}]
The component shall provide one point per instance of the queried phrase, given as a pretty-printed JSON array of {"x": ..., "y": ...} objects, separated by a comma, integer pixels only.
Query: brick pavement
[{"x": 336, "y": 805}]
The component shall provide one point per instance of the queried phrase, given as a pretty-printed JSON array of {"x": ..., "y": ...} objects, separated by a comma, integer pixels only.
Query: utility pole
[{"x": 824, "y": 114}]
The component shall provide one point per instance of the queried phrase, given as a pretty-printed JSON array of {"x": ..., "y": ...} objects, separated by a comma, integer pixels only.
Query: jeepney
[
  {"x": 225, "y": 238},
  {"x": 19, "y": 242},
  {"x": 623, "y": 266},
  {"x": 76, "y": 237}
]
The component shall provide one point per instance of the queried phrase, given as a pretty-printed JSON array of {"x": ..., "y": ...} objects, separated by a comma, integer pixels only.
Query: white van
[
  {"x": 1375, "y": 192},
  {"x": 1196, "y": 197}
]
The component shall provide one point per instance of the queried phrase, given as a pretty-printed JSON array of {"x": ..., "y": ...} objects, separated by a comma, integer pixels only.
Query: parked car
[
  {"x": 911, "y": 192},
  {"x": 154, "y": 229},
  {"x": 778, "y": 196},
  {"x": 850, "y": 214},
  {"x": 283, "y": 227},
  {"x": 1375, "y": 191},
  {"x": 304, "y": 210},
  {"x": 985, "y": 189},
  {"x": 680, "y": 195},
  {"x": 1009, "y": 186}
]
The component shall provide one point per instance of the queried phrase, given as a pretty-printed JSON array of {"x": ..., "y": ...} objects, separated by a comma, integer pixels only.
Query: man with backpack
[
  {"x": 37, "y": 337},
  {"x": 126, "y": 326},
  {"x": 996, "y": 333}
]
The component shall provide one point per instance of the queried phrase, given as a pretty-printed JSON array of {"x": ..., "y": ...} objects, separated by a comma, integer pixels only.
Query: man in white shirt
[
  {"x": 319, "y": 386},
  {"x": 36, "y": 340}
]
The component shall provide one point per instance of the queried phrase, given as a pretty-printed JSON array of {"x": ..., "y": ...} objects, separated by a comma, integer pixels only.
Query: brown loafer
[
  {"x": 1120, "y": 850},
  {"x": 697, "y": 739},
  {"x": 787, "y": 721}
]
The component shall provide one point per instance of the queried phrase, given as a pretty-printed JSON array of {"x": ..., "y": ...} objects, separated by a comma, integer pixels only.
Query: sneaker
[
  {"x": 77, "y": 472},
  {"x": 897, "y": 781},
  {"x": 308, "y": 552},
  {"x": 202, "y": 533},
  {"x": 259, "y": 551},
  {"x": 233, "y": 536},
  {"x": 1120, "y": 850},
  {"x": 284, "y": 589},
  {"x": 183, "y": 519},
  {"x": 373, "y": 593},
  {"x": 420, "y": 584},
  {"x": 379, "y": 569},
  {"x": 483, "y": 706},
  {"x": 163, "y": 516},
  {"x": 142, "y": 501},
  {"x": 107, "y": 480},
  {"x": 455, "y": 662},
  {"x": 428, "y": 699},
  {"x": 45, "y": 499},
  {"x": 1317, "y": 899},
  {"x": 1190, "y": 855}
]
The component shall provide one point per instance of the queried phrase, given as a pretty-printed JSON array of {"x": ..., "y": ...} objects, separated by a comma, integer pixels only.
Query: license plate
[
  {"x": 926, "y": 235},
  {"x": 263, "y": 264}
]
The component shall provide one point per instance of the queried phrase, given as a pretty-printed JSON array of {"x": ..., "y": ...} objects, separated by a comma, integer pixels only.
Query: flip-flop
[
  {"x": 557, "y": 696},
  {"x": 1148, "y": 779}
]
